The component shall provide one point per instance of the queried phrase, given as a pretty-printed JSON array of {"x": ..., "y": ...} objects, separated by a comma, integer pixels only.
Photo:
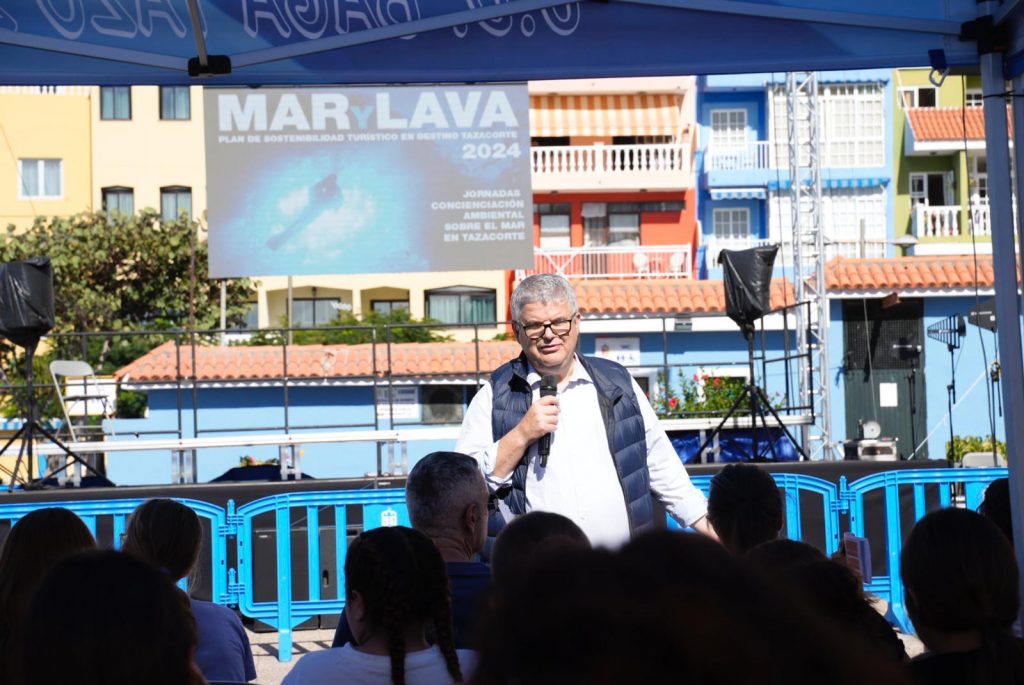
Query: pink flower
[
  {"x": 673, "y": 402},
  {"x": 717, "y": 382}
]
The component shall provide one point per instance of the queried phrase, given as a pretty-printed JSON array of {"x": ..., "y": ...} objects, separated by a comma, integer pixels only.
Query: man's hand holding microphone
[{"x": 537, "y": 425}]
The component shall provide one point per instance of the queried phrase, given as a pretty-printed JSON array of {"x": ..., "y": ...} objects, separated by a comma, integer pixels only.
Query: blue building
[{"x": 743, "y": 164}]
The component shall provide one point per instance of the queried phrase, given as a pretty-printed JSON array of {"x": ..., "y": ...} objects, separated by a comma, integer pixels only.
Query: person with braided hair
[{"x": 396, "y": 589}]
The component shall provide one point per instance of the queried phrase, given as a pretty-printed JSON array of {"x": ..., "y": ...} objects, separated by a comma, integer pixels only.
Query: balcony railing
[
  {"x": 665, "y": 261},
  {"x": 750, "y": 156},
  {"x": 931, "y": 221},
  {"x": 582, "y": 167},
  {"x": 852, "y": 247}
]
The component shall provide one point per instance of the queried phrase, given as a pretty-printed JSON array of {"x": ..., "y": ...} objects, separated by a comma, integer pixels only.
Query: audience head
[
  {"x": 105, "y": 618},
  {"x": 669, "y": 607},
  {"x": 996, "y": 506},
  {"x": 165, "y": 533},
  {"x": 35, "y": 544},
  {"x": 447, "y": 499},
  {"x": 396, "y": 583},
  {"x": 744, "y": 507},
  {"x": 528, "y": 538},
  {"x": 827, "y": 587},
  {"x": 960, "y": 578}
]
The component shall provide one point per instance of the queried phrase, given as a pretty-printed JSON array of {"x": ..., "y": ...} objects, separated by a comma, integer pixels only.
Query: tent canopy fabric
[{"x": 284, "y": 42}]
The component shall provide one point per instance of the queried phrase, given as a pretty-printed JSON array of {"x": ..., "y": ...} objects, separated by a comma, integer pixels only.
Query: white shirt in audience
[{"x": 347, "y": 666}]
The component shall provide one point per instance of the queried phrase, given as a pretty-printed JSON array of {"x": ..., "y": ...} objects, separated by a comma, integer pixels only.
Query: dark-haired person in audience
[
  {"x": 828, "y": 587},
  {"x": 106, "y": 618},
  {"x": 962, "y": 595},
  {"x": 668, "y": 608},
  {"x": 36, "y": 543},
  {"x": 168, "y": 535},
  {"x": 744, "y": 507},
  {"x": 996, "y": 506},
  {"x": 396, "y": 589},
  {"x": 447, "y": 500},
  {"x": 528, "y": 538}
]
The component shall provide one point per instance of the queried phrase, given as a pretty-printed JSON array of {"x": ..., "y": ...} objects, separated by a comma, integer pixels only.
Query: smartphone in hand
[{"x": 857, "y": 554}]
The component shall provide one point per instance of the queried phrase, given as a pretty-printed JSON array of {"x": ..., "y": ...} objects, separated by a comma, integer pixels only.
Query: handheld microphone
[{"x": 548, "y": 388}]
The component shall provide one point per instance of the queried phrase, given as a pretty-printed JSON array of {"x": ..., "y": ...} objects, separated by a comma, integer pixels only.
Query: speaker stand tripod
[
  {"x": 31, "y": 431},
  {"x": 760, "y": 406}
]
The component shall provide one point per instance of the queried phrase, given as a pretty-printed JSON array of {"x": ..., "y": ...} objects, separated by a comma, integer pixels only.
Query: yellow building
[
  {"x": 45, "y": 152},
  {"x": 148, "y": 149}
]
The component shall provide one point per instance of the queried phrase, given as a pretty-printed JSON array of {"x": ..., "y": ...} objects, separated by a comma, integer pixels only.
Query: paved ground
[{"x": 270, "y": 671}]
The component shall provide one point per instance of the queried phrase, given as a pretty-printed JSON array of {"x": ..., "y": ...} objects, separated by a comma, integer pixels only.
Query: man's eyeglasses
[{"x": 535, "y": 331}]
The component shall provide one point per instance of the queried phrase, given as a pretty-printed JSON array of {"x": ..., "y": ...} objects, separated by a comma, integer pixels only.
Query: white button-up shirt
[{"x": 580, "y": 481}]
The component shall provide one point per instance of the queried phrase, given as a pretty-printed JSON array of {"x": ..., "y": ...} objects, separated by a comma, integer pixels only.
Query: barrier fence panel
[
  {"x": 347, "y": 511},
  {"x": 794, "y": 488},
  {"x": 973, "y": 482},
  {"x": 92, "y": 512}
]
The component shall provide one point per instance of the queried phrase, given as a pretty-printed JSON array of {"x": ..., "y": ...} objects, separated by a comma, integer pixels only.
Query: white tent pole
[{"x": 1004, "y": 263}]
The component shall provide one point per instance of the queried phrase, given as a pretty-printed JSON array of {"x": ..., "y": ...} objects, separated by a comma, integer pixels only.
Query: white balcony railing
[
  {"x": 750, "y": 156},
  {"x": 931, "y": 221},
  {"x": 834, "y": 247},
  {"x": 665, "y": 261},
  {"x": 583, "y": 167}
]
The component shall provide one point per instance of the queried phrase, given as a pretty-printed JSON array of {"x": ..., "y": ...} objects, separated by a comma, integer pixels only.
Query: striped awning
[
  {"x": 786, "y": 184},
  {"x": 604, "y": 115},
  {"x": 737, "y": 193}
]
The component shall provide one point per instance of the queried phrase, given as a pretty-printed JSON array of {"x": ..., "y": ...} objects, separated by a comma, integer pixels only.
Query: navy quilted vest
[{"x": 623, "y": 423}]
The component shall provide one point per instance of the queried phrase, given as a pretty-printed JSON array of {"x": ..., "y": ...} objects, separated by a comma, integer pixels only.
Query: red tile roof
[
  {"x": 909, "y": 273},
  {"x": 239, "y": 363},
  {"x": 669, "y": 296},
  {"x": 947, "y": 123}
]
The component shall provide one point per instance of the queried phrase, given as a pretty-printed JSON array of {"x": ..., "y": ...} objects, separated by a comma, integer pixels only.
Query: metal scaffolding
[{"x": 804, "y": 141}]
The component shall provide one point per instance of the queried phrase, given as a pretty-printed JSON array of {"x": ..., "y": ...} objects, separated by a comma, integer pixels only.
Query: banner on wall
[{"x": 368, "y": 180}]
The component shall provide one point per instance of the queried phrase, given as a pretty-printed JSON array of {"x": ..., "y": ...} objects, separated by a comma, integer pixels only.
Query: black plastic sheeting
[
  {"x": 26, "y": 300},
  {"x": 748, "y": 278}
]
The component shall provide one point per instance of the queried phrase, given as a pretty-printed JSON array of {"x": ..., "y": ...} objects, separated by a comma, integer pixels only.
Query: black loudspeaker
[
  {"x": 747, "y": 278},
  {"x": 26, "y": 300},
  {"x": 264, "y": 582}
]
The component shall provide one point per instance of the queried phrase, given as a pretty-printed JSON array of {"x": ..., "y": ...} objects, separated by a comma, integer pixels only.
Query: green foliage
[
  {"x": 703, "y": 394},
  {"x": 973, "y": 443},
  {"x": 349, "y": 329},
  {"x": 120, "y": 273},
  {"x": 117, "y": 274}
]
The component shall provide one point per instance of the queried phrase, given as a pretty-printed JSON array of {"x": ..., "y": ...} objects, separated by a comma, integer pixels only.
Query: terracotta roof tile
[
  {"x": 947, "y": 123},
  {"x": 671, "y": 296},
  {"x": 909, "y": 273},
  {"x": 316, "y": 361}
]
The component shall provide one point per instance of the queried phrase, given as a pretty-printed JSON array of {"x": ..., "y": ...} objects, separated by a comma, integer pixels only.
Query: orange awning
[{"x": 604, "y": 115}]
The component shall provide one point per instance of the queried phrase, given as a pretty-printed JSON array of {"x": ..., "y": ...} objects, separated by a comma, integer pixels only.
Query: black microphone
[{"x": 548, "y": 388}]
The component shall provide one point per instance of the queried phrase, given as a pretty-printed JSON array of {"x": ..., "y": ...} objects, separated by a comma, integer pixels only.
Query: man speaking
[{"x": 556, "y": 431}]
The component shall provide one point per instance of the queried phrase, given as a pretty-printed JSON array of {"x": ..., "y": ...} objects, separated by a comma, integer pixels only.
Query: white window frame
[
  {"x": 40, "y": 171},
  {"x": 909, "y": 96},
  {"x": 921, "y": 196},
  {"x": 863, "y": 147},
  {"x": 733, "y": 236},
  {"x": 740, "y": 133},
  {"x": 973, "y": 97}
]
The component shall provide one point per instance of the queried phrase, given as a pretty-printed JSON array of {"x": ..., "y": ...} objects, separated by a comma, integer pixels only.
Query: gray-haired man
[
  {"x": 608, "y": 453},
  {"x": 447, "y": 500}
]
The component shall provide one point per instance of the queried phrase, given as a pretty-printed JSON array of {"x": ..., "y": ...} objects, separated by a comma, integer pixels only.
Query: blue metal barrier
[
  {"x": 119, "y": 509},
  {"x": 377, "y": 508},
  {"x": 792, "y": 486},
  {"x": 890, "y": 586},
  {"x": 367, "y": 509}
]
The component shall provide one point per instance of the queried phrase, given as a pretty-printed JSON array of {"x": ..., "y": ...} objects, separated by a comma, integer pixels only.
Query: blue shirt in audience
[{"x": 224, "y": 652}]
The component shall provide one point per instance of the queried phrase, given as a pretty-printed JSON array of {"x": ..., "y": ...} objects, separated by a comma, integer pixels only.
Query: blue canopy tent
[{"x": 291, "y": 42}]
